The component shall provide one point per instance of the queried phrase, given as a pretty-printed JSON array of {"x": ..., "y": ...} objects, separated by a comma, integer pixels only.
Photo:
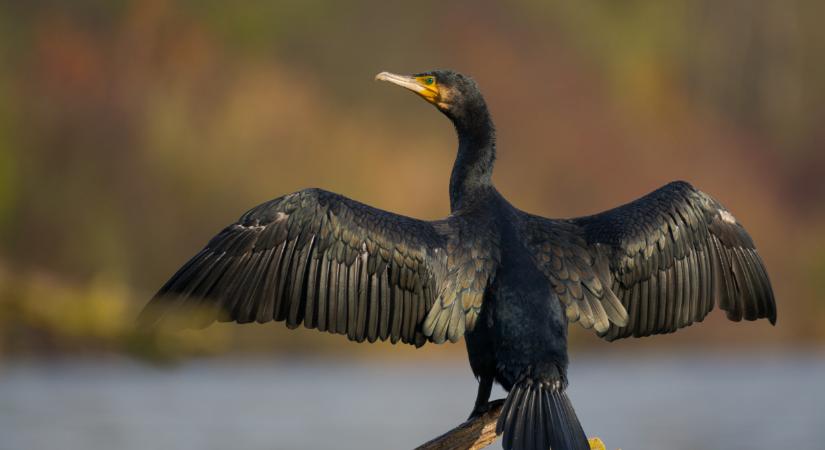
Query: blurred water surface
[{"x": 679, "y": 402}]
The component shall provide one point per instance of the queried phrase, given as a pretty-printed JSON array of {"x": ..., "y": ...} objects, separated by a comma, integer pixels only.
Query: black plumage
[{"x": 506, "y": 280}]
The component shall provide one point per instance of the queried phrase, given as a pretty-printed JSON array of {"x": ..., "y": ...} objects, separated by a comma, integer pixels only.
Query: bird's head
[{"x": 454, "y": 94}]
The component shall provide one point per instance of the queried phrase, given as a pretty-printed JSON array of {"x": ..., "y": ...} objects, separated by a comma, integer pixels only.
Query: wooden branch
[{"x": 473, "y": 434}]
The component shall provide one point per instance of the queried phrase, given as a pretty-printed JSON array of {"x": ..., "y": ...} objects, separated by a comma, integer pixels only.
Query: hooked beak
[{"x": 410, "y": 83}]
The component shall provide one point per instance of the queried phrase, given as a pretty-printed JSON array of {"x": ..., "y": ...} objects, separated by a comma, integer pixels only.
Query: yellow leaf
[{"x": 596, "y": 444}]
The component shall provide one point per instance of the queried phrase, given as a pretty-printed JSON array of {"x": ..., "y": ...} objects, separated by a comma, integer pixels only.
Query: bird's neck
[{"x": 473, "y": 168}]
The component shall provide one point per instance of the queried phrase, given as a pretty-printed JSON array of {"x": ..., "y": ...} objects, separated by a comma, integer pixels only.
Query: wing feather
[
  {"x": 671, "y": 256},
  {"x": 330, "y": 263}
]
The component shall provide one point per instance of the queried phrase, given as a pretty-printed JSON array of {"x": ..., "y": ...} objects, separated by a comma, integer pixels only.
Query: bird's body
[
  {"x": 518, "y": 327},
  {"x": 521, "y": 340},
  {"x": 507, "y": 281}
]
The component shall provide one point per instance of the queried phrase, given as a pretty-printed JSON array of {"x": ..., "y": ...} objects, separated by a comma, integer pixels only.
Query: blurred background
[{"x": 132, "y": 131}]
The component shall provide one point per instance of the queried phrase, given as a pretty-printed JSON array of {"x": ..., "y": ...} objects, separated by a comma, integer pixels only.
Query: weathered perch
[
  {"x": 473, "y": 434},
  {"x": 478, "y": 432}
]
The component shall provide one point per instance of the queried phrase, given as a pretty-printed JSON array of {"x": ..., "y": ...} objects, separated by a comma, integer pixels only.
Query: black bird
[{"x": 507, "y": 281}]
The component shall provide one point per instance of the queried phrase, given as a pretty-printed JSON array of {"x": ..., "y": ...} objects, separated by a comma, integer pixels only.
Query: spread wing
[
  {"x": 330, "y": 263},
  {"x": 654, "y": 265}
]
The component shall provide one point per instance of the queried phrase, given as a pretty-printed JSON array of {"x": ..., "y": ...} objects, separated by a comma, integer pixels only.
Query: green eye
[{"x": 429, "y": 80}]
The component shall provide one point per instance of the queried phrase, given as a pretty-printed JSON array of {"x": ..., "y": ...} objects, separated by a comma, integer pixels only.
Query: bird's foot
[{"x": 479, "y": 411}]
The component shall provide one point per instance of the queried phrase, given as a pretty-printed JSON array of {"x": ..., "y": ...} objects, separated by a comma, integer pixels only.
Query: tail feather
[{"x": 538, "y": 415}]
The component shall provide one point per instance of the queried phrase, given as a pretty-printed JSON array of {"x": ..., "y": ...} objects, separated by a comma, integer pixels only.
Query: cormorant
[{"x": 507, "y": 281}]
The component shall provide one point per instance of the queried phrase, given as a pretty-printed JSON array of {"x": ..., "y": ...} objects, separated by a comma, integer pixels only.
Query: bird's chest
[
  {"x": 523, "y": 318},
  {"x": 523, "y": 302}
]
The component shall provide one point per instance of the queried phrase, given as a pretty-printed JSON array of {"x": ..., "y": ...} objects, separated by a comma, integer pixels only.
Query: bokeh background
[{"x": 132, "y": 131}]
